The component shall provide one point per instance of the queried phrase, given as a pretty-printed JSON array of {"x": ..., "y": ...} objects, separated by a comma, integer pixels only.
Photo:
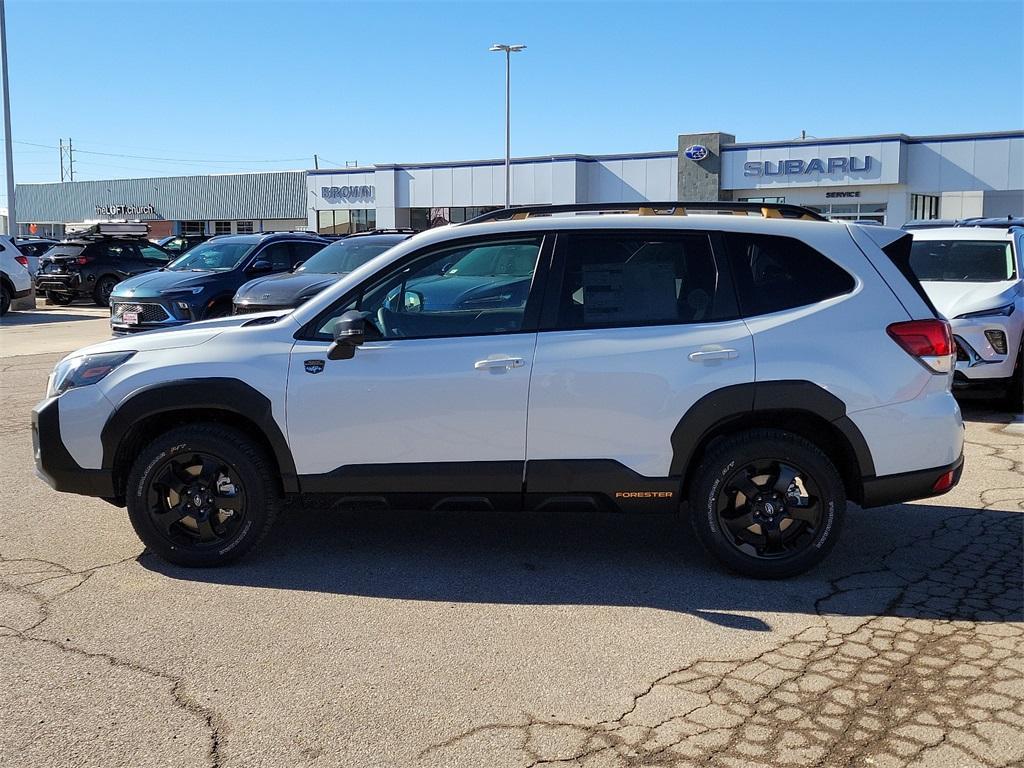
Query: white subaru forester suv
[
  {"x": 973, "y": 274},
  {"x": 759, "y": 370}
]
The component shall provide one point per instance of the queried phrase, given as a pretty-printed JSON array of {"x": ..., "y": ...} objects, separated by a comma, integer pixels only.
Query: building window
[
  {"x": 193, "y": 227},
  {"x": 773, "y": 200},
  {"x": 924, "y": 206},
  {"x": 426, "y": 218},
  {"x": 243, "y": 227},
  {"x": 851, "y": 211},
  {"x": 345, "y": 222},
  {"x": 222, "y": 227}
]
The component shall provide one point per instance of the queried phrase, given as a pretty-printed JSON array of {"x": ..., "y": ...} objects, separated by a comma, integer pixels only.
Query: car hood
[
  {"x": 284, "y": 288},
  {"x": 959, "y": 298},
  {"x": 451, "y": 291},
  {"x": 151, "y": 284}
]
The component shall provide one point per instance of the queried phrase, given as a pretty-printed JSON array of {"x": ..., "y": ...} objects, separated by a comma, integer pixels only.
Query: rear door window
[
  {"x": 626, "y": 279},
  {"x": 774, "y": 273},
  {"x": 278, "y": 254}
]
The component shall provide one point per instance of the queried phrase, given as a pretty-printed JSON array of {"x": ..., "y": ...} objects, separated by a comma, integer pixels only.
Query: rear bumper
[
  {"x": 55, "y": 465},
  {"x": 908, "y": 486},
  {"x": 22, "y": 294}
]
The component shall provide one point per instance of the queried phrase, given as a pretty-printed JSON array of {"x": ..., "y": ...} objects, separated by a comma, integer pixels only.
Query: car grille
[{"x": 148, "y": 313}]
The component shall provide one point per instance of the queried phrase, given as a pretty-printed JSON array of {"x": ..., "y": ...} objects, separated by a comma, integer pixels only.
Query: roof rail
[
  {"x": 673, "y": 207},
  {"x": 384, "y": 231}
]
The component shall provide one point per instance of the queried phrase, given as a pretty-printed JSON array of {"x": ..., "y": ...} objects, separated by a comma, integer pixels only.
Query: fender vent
[{"x": 262, "y": 321}]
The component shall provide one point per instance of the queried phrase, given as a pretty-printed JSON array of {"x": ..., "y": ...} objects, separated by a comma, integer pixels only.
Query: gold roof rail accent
[
  {"x": 654, "y": 208},
  {"x": 771, "y": 213}
]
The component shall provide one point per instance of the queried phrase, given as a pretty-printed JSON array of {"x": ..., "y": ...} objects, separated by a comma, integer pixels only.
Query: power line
[{"x": 165, "y": 159}]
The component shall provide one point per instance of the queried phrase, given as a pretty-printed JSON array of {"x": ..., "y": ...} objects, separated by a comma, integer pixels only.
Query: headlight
[
  {"x": 82, "y": 371},
  {"x": 1004, "y": 311},
  {"x": 178, "y": 291}
]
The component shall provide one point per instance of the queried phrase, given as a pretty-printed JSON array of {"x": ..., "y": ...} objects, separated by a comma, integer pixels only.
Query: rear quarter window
[{"x": 775, "y": 273}]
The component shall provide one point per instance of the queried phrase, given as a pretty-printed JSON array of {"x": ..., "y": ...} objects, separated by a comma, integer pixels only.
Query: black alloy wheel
[
  {"x": 202, "y": 495},
  {"x": 767, "y": 503},
  {"x": 196, "y": 500},
  {"x": 769, "y": 508}
]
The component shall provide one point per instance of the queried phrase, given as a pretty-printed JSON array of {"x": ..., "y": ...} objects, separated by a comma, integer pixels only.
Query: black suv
[
  {"x": 199, "y": 284},
  {"x": 178, "y": 244},
  {"x": 91, "y": 263},
  {"x": 309, "y": 278}
]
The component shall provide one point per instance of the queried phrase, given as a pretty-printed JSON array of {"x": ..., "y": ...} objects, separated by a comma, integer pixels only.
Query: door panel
[
  {"x": 442, "y": 400},
  {"x": 618, "y": 393}
]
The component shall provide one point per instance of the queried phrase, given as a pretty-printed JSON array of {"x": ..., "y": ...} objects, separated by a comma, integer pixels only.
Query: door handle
[
  {"x": 499, "y": 362},
  {"x": 713, "y": 354}
]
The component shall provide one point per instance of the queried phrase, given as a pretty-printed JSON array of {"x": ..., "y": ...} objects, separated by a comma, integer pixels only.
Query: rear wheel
[
  {"x": 202, "y": 495},
  {"x": 61, "y": 299},
  {"x": 767, "y": 503},
  {"x": 5, "y": 300},
  {"x": 104, "y": 287}
]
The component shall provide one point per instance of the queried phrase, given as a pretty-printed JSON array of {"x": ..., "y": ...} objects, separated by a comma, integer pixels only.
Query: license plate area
[{"x": 130, "y": 318}]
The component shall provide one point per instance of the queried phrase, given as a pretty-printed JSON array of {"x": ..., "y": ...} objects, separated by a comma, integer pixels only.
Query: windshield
[
  {"x": 343, "y": 256},
  {"x": 499, "y": 259},
  {"x": 212, "y": 257},
  {"x": 962, "y": 261}
]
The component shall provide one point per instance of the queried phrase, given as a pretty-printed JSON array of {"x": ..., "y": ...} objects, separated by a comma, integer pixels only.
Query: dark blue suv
[{"x": 200, "y": 284}]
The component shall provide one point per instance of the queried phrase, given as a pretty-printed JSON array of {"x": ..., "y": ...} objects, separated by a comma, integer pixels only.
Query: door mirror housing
[
  {"x": 349, "y": 333},
  {"x": 260, "y": 266}
]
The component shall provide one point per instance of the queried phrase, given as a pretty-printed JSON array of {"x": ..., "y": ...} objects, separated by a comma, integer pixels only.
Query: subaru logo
[
  {"x": 696, "y": 152},
  {"x": 313, "y": 366}
]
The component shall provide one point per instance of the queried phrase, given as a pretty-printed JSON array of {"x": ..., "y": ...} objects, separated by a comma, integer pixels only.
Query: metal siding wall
[{"x": 235, "y": 196}]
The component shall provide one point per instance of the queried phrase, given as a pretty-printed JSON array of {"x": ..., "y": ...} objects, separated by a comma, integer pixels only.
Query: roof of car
[{"x": 259, "y": 237}]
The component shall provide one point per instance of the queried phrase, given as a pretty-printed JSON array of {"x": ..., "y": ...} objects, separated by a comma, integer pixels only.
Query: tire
[
  {"x": 796, "y": 532},
  {"x": 5, "y": 300},
  {"x": 61, "y": 299},
  {"x": 234, "y": 474},
  {"x": 104, "y": 287},
  {"x": 1014, "y": 398}
]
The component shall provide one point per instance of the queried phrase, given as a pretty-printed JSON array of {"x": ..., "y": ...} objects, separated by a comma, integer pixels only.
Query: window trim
[
  {"x": 534, "y": 298},
  {"x": 726, "y": 284}
]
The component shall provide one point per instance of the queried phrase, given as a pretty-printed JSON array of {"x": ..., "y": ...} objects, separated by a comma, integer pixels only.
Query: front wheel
[
  {"x": 767, "y": 503},
  {"x": 202, "y": 495}
]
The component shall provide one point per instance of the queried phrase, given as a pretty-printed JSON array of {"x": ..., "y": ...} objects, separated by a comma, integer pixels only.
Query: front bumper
[
  {"x": 55, "y": 465},
  {"x": 977, "y": 358},
  {"x": 909, "y": 486}
]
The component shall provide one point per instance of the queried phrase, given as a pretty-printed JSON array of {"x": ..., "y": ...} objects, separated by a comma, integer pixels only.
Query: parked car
[
  {"x": 973, "y": 274},
  {"x": 178, "y": 244},
  {"x": 15, "y": 280},
  {"x": 200, "y": 284},
  {"x": 33, "y": 248},
  {"x": 287, "y": 290},
  {"x": 92, "y": 262},
  {"x": 624, "y": 379}
]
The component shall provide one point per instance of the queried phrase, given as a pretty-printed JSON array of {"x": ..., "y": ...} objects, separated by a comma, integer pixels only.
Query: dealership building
[{"x": 887, "y": 179}]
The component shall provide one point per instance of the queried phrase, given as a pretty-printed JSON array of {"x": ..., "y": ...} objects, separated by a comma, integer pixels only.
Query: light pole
[
  {"x": 12, "y": 215},
  {"x": 508, "y": 50}
]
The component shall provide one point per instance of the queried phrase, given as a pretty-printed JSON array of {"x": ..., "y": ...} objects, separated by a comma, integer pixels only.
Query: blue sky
[{"x": 239, "y": 82}]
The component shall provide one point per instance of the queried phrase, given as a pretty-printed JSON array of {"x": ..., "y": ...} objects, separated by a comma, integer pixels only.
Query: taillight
[
  {"x": 23, "y": 260},
  {"x": 930, "y": 341}
]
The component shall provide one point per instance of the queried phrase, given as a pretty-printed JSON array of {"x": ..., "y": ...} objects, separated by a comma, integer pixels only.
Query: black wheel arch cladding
[
  {"x": 739, "y": 400},
  {"x": 202, "y": 394}
]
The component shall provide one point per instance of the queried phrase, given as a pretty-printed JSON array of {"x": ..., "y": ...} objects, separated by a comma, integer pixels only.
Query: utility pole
[
  {"x": 12, "y": 215},
  {"x": 61, "y": 148},
  {"x": 316, "y": 162},
  {"x": 71, "y": 160}
]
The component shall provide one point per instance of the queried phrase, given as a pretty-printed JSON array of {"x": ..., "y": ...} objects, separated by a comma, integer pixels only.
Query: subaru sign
[
  {"x": 804, "y": 167},
  {"x": 696, "y": 152}
]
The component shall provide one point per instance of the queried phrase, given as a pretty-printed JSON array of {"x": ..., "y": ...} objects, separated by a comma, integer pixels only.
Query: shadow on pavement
[
  {"x": 39, "y": 317},
  {"x": 883, "y": 555}
]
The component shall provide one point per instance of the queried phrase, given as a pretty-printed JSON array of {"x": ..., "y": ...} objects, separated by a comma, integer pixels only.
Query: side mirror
[
  {"x": 297, "y": 265},
  {"x": 259, "y": 266},
  {"x": 349, "y": 333}
]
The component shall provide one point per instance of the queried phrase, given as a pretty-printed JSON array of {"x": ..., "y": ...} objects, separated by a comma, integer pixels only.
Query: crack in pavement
[
  {"x": 32, "y": 585},
  {"x": 889, "y": 690}
]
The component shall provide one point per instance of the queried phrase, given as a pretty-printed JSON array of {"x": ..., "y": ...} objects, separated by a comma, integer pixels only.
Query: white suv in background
[
  {"x": 15, "y": 280},
  {"x": 762, "y": 369},
  {"x": 972, "y": 273}
]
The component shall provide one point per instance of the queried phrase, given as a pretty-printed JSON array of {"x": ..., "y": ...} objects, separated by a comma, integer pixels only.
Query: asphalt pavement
[{"x": 357, "y": 638}]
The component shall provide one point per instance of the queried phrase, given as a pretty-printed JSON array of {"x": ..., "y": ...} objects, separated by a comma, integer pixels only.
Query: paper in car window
[{"x": 629, "y": 292}]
